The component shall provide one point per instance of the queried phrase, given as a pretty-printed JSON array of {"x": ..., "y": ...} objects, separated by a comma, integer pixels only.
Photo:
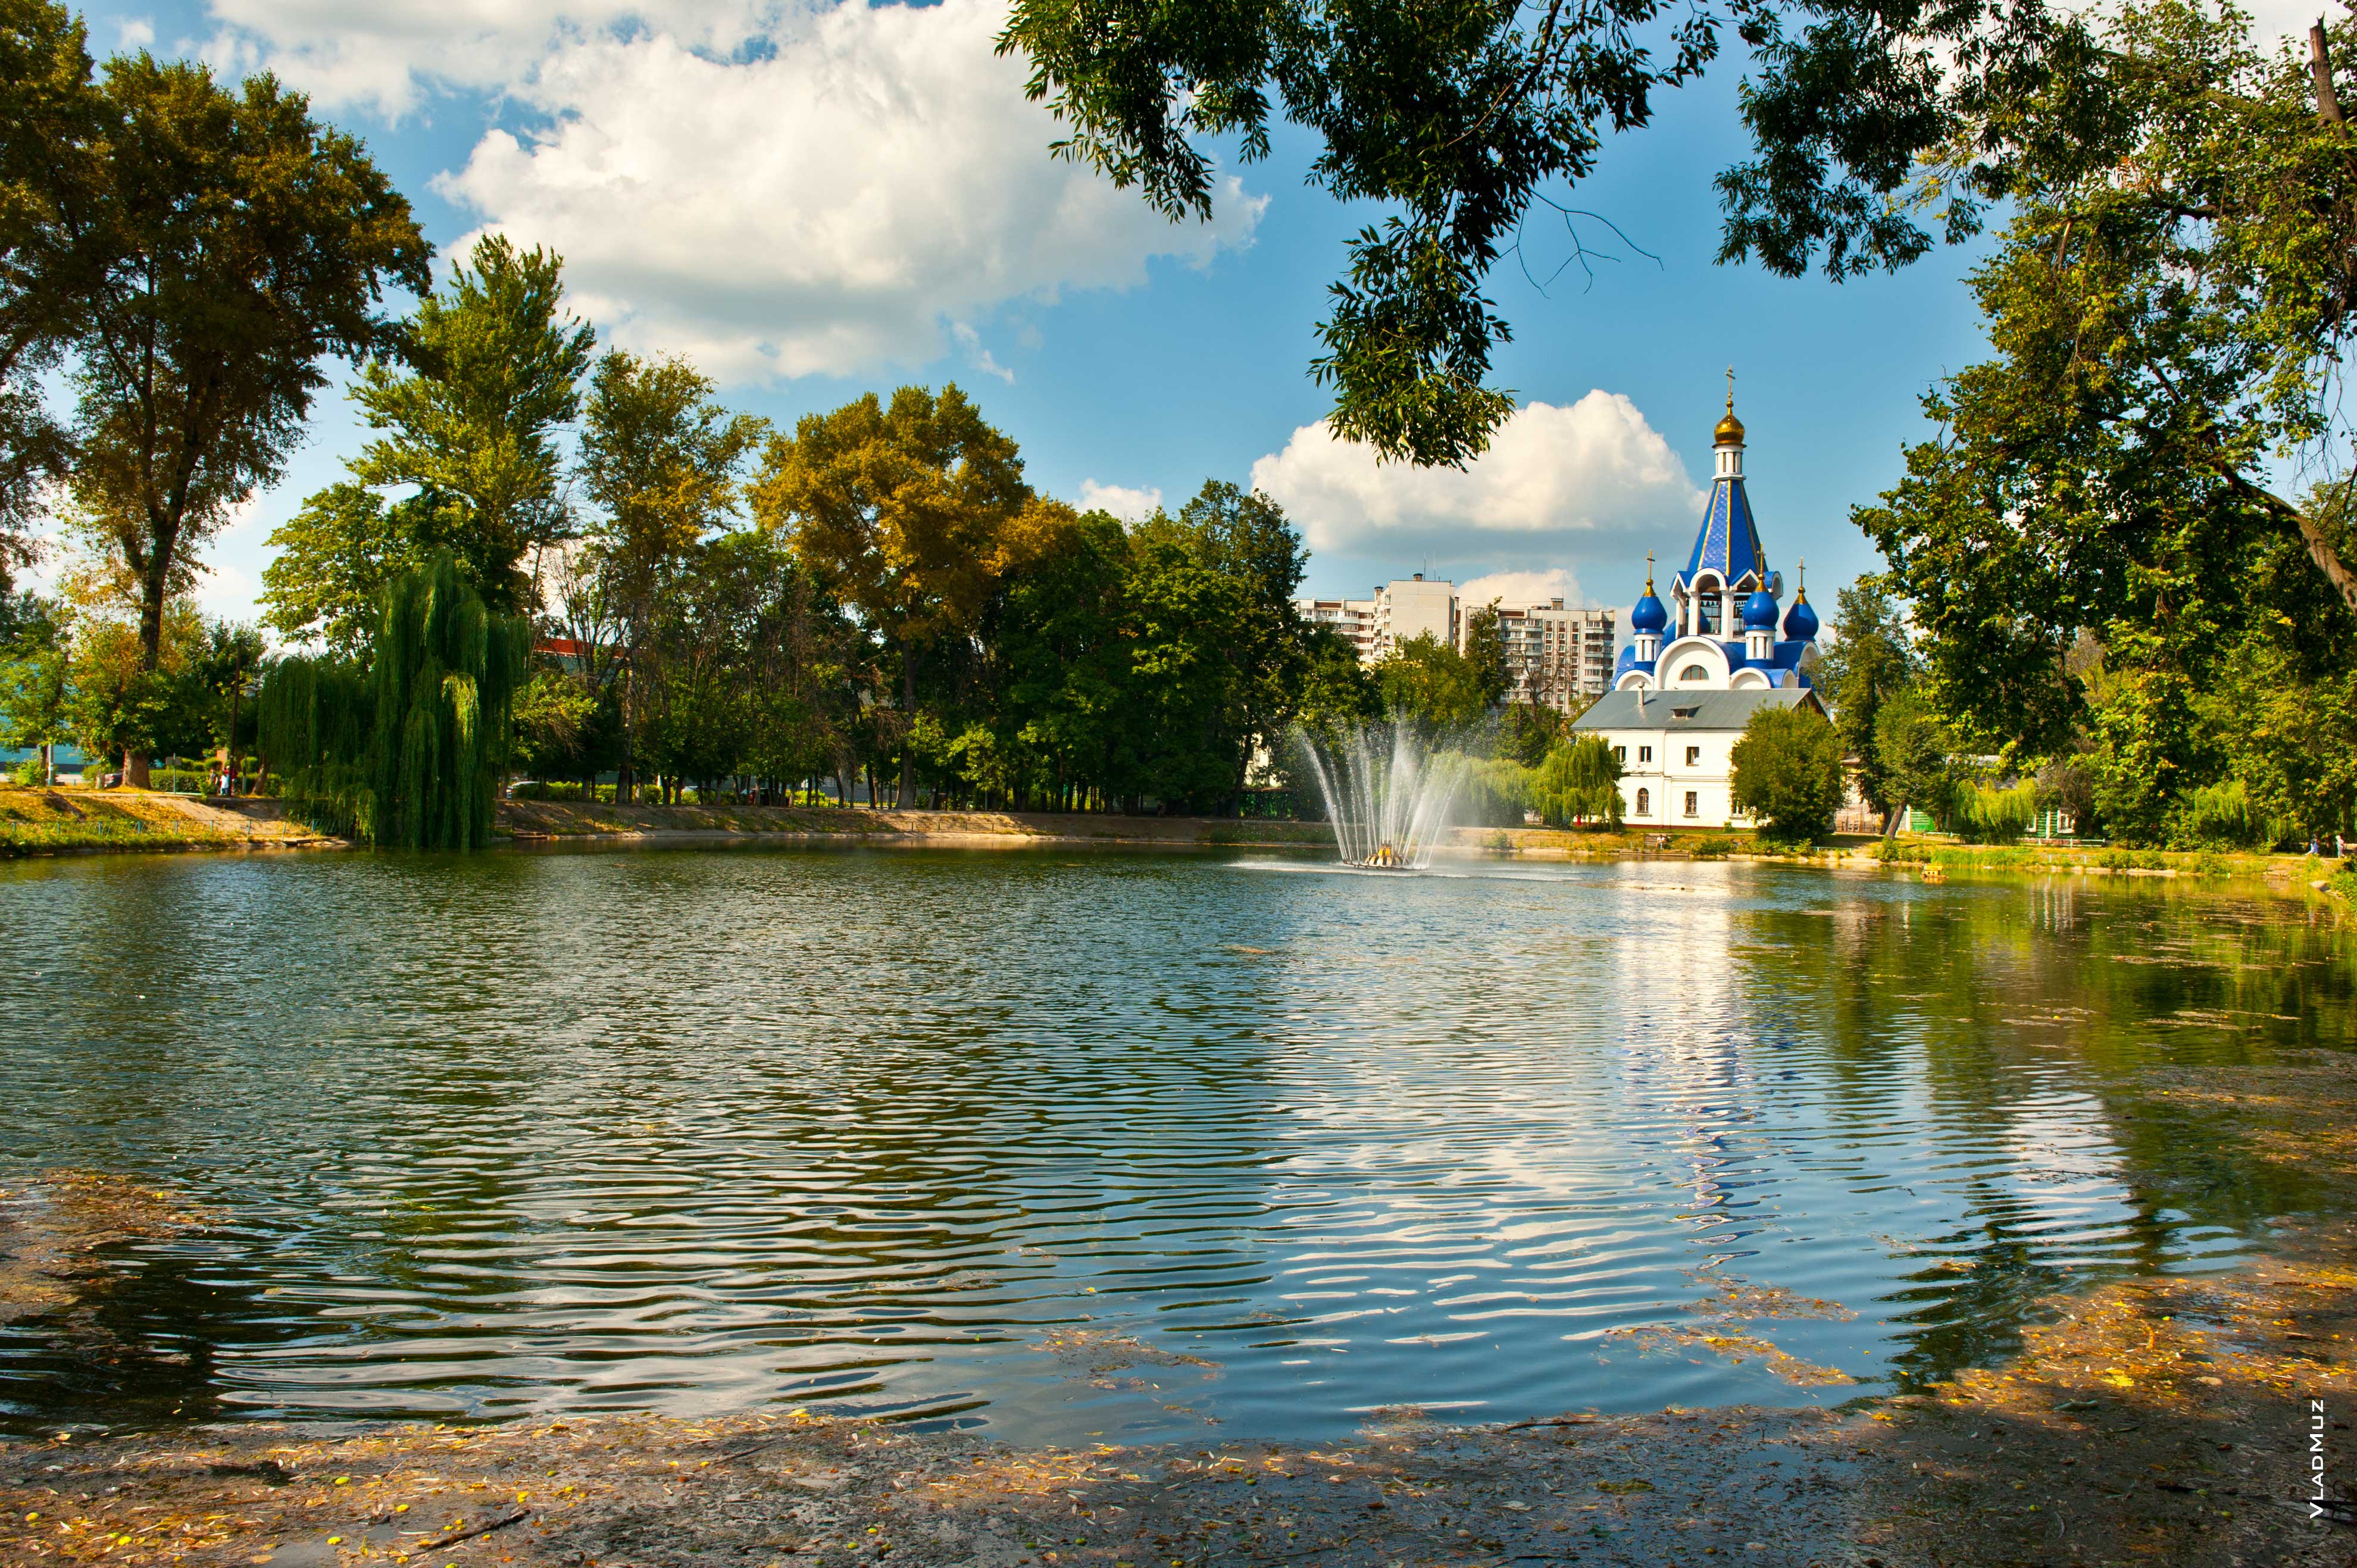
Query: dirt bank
[
  {"x": 555, "y": 820},
  {"x": 75, "y": 822}
]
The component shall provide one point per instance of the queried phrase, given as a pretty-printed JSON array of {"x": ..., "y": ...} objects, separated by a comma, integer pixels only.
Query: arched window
[
  {"x": 1645, "y": 802},
  {"x": 1694, "y": 672}
]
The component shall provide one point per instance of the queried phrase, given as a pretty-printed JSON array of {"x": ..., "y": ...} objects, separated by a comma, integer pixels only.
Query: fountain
[{"x": 1386, "y": 793}]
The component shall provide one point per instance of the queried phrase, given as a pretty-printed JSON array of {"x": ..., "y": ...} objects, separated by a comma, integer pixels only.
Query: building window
[
  {"x": 1620, "y": 754},
  {"x": 1645, "y": 802},
  {"x": 1694, "y": 803},
  {"x": 1693, "y": 756},
  {"x": 1644, "y": 754},
  {"x": 1694, "y": 672}
]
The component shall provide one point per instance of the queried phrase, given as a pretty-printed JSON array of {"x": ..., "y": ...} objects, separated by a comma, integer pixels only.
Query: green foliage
[
  {"x": 2221, "y": 815},
  {"x": 336, "y": 555},
  {"x": 1999, "y": 815},
  {"x": 1456, "y": 116},
  {"x": 1915, "y": 752},
  {"x": 410, "y": 750},
  {"x": 2096, "y": 556},
  {"x": 1427, "y": 683},
  {"x": 218, "y": 245},
  {"x": 1495, "y": 791},
  {"x": 1871, "y": 655},
  {"x": 1787, "y": 772},
  {"x": 1579, "y": 782}
]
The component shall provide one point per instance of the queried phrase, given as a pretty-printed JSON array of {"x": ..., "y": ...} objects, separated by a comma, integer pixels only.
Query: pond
[{"x": 1144, "y": 1145}]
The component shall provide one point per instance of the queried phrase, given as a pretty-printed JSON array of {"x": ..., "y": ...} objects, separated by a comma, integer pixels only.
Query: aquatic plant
[{"x": 408, "y": 749}]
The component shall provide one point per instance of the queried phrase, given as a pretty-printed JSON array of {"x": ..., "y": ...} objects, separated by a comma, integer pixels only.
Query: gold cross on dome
[{"x": 1730, "y": 386}]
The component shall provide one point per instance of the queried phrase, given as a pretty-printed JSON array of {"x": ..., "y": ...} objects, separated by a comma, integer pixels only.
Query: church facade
[{"x": 1699, "y": 666}]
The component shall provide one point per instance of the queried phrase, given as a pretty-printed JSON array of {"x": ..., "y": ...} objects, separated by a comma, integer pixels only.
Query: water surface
[{"x": 863, "y": 1129}]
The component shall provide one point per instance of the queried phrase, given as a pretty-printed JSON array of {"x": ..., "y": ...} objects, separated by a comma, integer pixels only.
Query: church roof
[
  {"x": 1729, "y": 543},
  {"x": 1700, "y": 710}
]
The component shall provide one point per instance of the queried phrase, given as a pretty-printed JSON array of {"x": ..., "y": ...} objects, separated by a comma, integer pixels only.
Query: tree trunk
[{"x": 908, "y": 796}]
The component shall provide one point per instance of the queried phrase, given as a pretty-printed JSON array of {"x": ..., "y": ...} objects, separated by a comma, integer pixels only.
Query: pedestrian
[{"x": 2312, "y": 848}]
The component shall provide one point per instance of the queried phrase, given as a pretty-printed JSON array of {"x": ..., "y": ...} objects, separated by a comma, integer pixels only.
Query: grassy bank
[{"x": 72, "y": 822}]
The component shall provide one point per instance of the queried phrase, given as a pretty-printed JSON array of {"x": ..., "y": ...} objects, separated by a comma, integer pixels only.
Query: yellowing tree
[{"x": 906, "y": 513}]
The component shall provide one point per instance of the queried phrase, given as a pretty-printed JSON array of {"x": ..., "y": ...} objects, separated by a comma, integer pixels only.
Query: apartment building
[
  {"x": 1557, "y": 656},
  {"x": 1403, "y": 609}
]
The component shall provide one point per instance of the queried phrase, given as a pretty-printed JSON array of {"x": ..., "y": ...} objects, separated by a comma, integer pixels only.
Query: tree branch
[{"x": 2328, "y": 560}]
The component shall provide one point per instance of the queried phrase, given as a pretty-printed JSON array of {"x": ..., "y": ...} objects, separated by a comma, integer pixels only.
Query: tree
[
  {"x": 1425, "y": 682},
  {"x": 224, "y": 668},
  {"x": 1579, "y": 780},
  {"x": 239, "y": 244},
  {"x": 2169, "y": 307},
  {"x": 1485, "y": 651},
  {"x": 36, "y": 679},
  {"x": 228, "y": 243},
  {"x": 904, "y": 513},
  {"x": 1871, "y": 657},
  {"x": 336, "y": 556},
  {"x": 1458, "y": 117},
  {"x": 470, "y": 409},
  {"x": 50, "y": 113},
  {"x": 661, "y": 459},
  {"x": 410, "y": 749},
  {"x": 1787, "y": 772},
  {"x": 1915, "y": 752}
]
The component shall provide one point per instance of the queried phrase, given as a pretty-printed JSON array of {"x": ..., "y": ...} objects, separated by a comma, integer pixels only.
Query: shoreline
[
  {"x": 42, "y": 822},
  {"x": 2161, "y": 1418}
]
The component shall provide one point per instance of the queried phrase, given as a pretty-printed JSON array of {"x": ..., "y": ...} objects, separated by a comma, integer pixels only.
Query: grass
[{"x": 39, "y": 820}]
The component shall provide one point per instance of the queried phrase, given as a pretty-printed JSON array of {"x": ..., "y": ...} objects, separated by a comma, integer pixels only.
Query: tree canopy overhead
[{"x": 1458, "y": 115}]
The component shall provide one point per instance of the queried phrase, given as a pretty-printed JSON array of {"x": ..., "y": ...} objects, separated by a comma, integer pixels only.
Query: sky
[{"x": 813, "y": 201}]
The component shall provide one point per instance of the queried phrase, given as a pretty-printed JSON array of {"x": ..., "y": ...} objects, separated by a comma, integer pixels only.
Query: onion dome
[
  {"x": 1729, "y": 431},
  {"x": 1801, "y": 624},
  {"x": 1759, "y": 611},
  {"x": 1651, "y": 617}
]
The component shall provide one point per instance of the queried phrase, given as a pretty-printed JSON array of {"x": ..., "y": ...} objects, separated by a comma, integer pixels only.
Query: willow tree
[
  {"x": 410, "y": 749},
  {"x": 1578, "y": 782}
]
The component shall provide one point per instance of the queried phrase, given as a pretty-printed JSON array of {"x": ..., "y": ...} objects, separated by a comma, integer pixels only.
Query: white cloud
[
  {"x": 389, "y": 54},
  {"x": 980, "y": 358},
  {"x": 1556, "y": 480},
  {"x": 135, "y": 33},
  {"x": 1518, "y": 589},
  {"x": 827, "y": 208},
  {"x": 1121, "y": 500}
]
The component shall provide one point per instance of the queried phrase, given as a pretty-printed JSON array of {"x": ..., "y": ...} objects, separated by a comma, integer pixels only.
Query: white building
[
  {"x": 1552, "y": 653},
  {"x": 1403, "y": 609},
  {"x": 1693, "y": 675}
]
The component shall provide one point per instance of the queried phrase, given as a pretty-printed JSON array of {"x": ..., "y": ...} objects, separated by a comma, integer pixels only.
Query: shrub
[
  {"x": 1788, "y": 773},
  {"x": 1714, "y": 846}
]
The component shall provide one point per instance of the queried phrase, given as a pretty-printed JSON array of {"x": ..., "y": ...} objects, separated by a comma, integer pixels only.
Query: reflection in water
[{"x": 693, "y": 1131}]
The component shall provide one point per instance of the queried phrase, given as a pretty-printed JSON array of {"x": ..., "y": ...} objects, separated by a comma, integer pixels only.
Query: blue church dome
[
  {"x": 1759, "y": 611},
  {"x": 1801, "y": 623},
  {"x": 1650, "y": 617}
]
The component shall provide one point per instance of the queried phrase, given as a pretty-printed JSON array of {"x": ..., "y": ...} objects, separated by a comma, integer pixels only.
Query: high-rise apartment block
[{"x": 1555, "y": 656}]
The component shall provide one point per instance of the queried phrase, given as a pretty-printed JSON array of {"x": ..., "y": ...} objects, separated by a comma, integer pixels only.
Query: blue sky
[{"x": 815, "y": 202}]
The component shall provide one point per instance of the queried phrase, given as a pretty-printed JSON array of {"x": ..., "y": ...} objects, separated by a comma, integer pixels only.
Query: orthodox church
[{"x": 1700, "y": 666}]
